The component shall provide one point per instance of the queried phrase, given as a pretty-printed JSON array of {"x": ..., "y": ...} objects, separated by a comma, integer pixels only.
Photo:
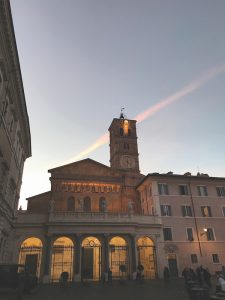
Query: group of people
[{"x": 202, "y": 276}]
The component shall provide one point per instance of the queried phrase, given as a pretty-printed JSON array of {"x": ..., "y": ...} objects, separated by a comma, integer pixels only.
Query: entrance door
[
  {"x": 31, "y": 262},
  {"x": 172, "y": 262},
  {"x": 91, "y": 259},
  {"x": 87, "y": 262}
]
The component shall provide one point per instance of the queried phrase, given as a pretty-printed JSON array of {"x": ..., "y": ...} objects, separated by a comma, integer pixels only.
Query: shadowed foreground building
[
  {"x": 96, "y": 217},
  {"x": 15, "y": 141}
]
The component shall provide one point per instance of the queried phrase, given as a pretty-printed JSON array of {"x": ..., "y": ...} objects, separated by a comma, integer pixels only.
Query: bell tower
[{"x": 123, "y": 145}]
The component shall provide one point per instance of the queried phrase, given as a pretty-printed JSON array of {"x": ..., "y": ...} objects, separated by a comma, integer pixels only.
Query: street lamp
[{"x": 204, "y": 231}]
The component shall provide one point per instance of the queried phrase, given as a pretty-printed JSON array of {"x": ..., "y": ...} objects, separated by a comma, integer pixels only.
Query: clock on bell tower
[{"x": 123, "y": 145}]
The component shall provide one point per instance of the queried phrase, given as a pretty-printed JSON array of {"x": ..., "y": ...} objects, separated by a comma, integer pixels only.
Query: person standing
[
  {"x": 166, "y": 274},
  {"x": 109, "y": 276}
]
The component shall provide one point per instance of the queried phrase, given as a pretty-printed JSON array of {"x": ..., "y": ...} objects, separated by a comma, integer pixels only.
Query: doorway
[
  {"x": 62, "y": 258},
  {"x": 147, "y": 257},
  {"x": 172, "y": 263},
  {"x": 91, "y": 259},
  {"x": 118, "y": 257},
  {"x": 31, "y": 262},
  {"x": 30, "y": 255}
]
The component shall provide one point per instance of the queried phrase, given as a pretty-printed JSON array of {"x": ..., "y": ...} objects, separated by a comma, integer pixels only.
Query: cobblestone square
[{"x": 154, "y": 290}]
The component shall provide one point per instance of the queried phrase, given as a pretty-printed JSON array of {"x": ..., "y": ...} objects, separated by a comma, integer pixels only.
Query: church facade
[
  {"x": 97, "y": 217},
  {"x": 91, "y": 219}
]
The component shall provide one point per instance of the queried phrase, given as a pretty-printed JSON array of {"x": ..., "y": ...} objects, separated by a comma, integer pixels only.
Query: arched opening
[
  {"x": 91, "y": 259},
  {"x": 147, "y": 257},
  {"x": 62, "y": 258},
  {"x": 102, "y": 204},
  {"x": 118, "y": 257},
  {"x": 30, "y": 255},
  {"x": 87, "y": 204},
  {"x": 70, "y": 204}
]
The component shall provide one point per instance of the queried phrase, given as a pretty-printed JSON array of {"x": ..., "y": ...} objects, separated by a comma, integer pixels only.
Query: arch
[
  {"x": 91, "y": 258},
  {"x": 118, "y": 256},
  {"x": 145, "y": 241},
  {"x": 102, "y": 204},
  {"x": 121, "y": 131},
  {"x": 87, "y": 204},
  {"x": 62, "y": 258},
  {"x": 147, "y": 256},
  {"x": 30, "y": 255},
  {"x": 71, "y": 203}
]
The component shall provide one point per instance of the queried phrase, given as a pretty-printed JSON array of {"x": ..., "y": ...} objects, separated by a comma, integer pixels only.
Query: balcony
[{"x": 97, "y": 217}]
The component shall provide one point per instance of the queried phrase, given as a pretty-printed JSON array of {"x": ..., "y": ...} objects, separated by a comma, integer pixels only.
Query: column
[
  {"x": 47, "y": 248},
  {"x": 133, "y": 253},
  {"x": 77, "y": 258},
  {"x": 106, "y": 252}
]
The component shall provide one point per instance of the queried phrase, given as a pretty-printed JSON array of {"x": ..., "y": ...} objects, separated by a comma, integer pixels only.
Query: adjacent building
[
  {"x": 192, "y": 211},
  {"x": 15, "y": 141}
]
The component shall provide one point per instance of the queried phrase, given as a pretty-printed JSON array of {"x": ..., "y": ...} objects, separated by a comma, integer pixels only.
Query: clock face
[{"x": 127, "y": 162}]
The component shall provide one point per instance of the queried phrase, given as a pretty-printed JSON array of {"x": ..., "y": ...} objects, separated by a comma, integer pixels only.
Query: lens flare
[{"x": 190, "y": 88}]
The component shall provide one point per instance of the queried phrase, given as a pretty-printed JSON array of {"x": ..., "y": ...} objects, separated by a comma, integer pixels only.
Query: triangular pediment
[{"x": 86, "y": 167}]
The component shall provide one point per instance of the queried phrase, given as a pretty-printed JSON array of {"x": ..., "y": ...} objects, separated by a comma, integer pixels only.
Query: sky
[{"x": 83, "y": 60}]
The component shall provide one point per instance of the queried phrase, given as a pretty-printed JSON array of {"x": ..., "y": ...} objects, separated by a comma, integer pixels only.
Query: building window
[
  {"x": 102, "y": 204},
  {"x": 215, "y": 258},
  {"x": 87, "y": 204},
  {"x": 206, "y": 211},
  {"x": 220, "y": 191},
  {"x": 190, "y": 236},
  {"x": 183, "y": 189},
  {"x": 223, "y": 210},
  {"x": 167, "y": 233},
  {"x": 70, "y": 204},
  {"x": 194, "y": 258},
  {"x": 165, "y": 210},
  {"x": 163, "y": 189},
  {"x": 210, "y": 234},
  {"x": 186, "y": 211},
  {"x": 121, "y": 131},
  {"x": 202, "y": 190}
]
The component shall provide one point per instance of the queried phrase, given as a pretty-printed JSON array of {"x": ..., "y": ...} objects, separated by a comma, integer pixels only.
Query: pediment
[{"x": 86, "y": 167}]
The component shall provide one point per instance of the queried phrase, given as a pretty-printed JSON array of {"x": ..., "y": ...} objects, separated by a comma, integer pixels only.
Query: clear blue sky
[{"x": 82, "y": 60}]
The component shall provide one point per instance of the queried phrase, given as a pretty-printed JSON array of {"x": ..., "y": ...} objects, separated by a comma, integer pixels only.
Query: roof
[
  {"x": 170, "y": 175},
  {"x": 78, "y": 162}
]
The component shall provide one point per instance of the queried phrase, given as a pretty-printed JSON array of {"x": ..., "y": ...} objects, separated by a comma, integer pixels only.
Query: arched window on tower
[
  {"x": 87, "y": 204},
  {"x": 70, "y": 204},
  {"x": 121, "y": 131}
]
